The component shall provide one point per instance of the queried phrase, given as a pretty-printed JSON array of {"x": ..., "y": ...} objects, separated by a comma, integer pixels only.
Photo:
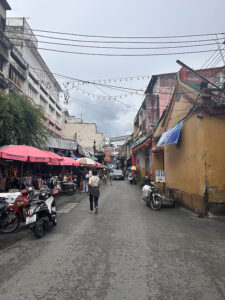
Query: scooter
[
  {"x": 13, "y": 213},
  {"x": 131, "y": 178},
  {"x": 52, "y": 184},
  {"x": 152, "y": 196},
  {"x": 3, "y": 213},
  {"x": 41, "y": 212},
  {"x": 68, "y": 187}
]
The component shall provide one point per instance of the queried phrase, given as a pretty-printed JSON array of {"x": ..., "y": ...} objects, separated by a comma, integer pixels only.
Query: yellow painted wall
[
  {"x": 214, "y": 127},
  {"x": 185, "y": 162},
  {"x": 199, "y": 157},
  {"x": 158, "y": 164}
]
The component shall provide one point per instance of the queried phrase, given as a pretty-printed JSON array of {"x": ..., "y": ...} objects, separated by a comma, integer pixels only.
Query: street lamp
[{"x": 94, "y": 147}]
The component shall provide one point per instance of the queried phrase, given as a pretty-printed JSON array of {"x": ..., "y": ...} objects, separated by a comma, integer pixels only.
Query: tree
[{"x": 21, "y": 122}]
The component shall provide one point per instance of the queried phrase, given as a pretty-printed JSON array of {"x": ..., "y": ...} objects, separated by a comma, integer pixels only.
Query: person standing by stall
[
  {"x": 94, "y": 192},
  {"x": 85, "y": 180}
]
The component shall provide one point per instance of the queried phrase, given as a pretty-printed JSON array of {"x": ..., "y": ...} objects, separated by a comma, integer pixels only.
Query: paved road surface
[{"x": 126, "y": 252}]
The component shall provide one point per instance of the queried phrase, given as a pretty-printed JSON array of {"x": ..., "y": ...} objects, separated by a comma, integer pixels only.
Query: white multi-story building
[
  {"x": 117, "y": 142},
  {"x": 40, "y": 85}
]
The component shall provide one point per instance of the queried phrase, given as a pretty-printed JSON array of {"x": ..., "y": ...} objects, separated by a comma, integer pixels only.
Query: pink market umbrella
[
  {"x": 86, "y": 161},
  {"x": 67, "y": 161},
  {"x": 98, "y": 165},
  {"x": 24, "y": 153},
  {"x": 54, "y": 157}
]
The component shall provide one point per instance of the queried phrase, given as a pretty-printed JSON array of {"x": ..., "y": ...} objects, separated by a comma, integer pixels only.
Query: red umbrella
[
  {"x": 66, "y": 161},
  {"x": 54, "y": 157},
  {"x": 24, "y": 153},
  {"x": 98, "y": 165}
]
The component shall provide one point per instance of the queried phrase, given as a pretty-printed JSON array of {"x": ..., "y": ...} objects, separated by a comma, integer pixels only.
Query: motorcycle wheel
[
  {"x": 39, "y": 228},
  {"x": 54, "y": 221},
  {"x": 12, "y": 226},
  {"x": 71, "y": 192},
  {"x": 148, "y": 200},
  {"x": 156, "y": 203}
]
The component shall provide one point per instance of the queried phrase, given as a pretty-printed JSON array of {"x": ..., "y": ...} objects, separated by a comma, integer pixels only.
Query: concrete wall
[
  {"x": 2, "y": 11},
  {"x": 185, "y": 164},
  {"x": 197, "y": 162},
  {"x": 214, "y": 131},
  {"x": 86, "y": 133}
]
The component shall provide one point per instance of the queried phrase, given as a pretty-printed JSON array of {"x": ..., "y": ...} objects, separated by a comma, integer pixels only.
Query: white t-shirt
[{"x": 93, "y": 181}]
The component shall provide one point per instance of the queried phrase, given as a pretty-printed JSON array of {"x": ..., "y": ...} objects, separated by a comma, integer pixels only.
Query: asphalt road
[{"x": 127, "y": 251}]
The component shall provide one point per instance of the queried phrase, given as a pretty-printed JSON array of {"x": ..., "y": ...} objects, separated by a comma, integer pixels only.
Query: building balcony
[
  {"x": 53, "y": 129},
  {"x": 53, "y": 121},
  {"x": 4, "y": 40}
]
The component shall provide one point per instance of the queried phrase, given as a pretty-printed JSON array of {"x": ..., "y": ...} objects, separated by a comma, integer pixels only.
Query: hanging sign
[{"x": 160, "y": 176}]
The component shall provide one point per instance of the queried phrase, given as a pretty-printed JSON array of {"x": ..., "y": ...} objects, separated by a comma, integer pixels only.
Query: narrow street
[{"x": 127, "y": 251}]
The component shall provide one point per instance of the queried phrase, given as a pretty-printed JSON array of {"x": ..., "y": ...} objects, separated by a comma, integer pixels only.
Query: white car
[{"x": 118, "y": 175}]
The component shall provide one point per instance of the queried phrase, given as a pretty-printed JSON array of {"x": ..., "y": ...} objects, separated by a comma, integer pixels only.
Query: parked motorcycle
[
  {"x": 131, "y": 178},
  {"x": 53, "y": 185},
  {"x": 4, "y": 214},
  {"x": 13, "y": 212},
  {"x": 68, "y": 187},
  {"x": 152, "y": 196},
  {"x": 41, "y": 212}
]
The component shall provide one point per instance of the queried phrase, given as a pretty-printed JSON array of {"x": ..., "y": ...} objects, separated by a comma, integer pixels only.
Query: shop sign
[
  {"x": 160, "y": 176},
  {"x": 220, "y": 80},
  {"x": 107, "y": 156},
  {"x": 138, "y": 142},
  {"x": 109, "y": 149}
]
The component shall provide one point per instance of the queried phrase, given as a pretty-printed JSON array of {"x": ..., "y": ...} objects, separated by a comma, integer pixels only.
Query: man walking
[
  {"x": 111, "y": 176},
  {"x": 94, "y": 191}
]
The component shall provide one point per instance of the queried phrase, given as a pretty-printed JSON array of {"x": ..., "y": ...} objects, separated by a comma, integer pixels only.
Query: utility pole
[{"x": 94, "y": 147}]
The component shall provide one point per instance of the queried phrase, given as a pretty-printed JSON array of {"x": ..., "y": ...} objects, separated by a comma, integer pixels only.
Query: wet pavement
[{"x": 127, "y": 251}]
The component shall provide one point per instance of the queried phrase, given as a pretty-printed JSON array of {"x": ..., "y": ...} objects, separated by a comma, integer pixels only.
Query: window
[
  {"x": 1, "y": 64},
  {"x": 15, "y": 77},
  {"x": 75, "y": 136},
  {"x": 32, "y": 78},
  {"x": 2, "y": 24},
  {"x": 31, "y": 92},
  {"x": 52, "y": 110},
  {"x": 43, "y": 102}
]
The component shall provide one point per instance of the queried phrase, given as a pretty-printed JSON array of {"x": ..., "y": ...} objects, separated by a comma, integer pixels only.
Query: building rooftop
[{"x": 5, "y": 4}]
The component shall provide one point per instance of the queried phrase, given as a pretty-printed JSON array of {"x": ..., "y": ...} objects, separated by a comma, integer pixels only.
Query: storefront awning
[
  {"x": 142, "y": 145},
  {"x": 171, "y": 136}
]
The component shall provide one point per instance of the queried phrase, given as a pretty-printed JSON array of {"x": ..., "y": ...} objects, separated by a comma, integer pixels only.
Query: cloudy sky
[{"x": 118, "y": 18}]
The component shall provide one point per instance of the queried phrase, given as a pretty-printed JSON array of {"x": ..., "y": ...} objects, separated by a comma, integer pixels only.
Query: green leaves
[{"x": 21, "y": 122}]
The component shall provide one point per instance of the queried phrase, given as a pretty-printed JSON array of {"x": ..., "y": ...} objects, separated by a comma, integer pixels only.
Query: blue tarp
[{"x": 171, "y": 136}]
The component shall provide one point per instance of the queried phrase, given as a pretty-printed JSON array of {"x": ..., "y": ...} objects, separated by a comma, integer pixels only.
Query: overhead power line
[
  {"x": 122, "y": 55},
  {"x": 127, "y": 37},
  {"x": 113, "y": 42},
  {"x": 120, "y": 48}
]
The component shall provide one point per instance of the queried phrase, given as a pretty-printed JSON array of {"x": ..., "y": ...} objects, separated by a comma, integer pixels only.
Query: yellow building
[{"x": 195, "y": 165}]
